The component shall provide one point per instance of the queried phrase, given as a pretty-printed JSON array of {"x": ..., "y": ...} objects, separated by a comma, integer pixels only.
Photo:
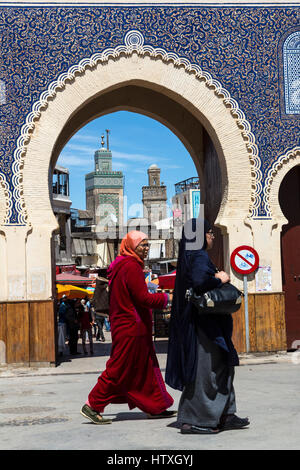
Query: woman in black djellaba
[{"x": 201, "y": 355}]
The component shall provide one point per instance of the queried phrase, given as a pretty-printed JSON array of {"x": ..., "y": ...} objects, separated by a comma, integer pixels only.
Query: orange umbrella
[{"x": 72, "y": 292}]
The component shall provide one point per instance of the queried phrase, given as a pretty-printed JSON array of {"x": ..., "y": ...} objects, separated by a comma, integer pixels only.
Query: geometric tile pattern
[
  {"x": 237, "y": 46},
  {"x": 109, "y": 205}
]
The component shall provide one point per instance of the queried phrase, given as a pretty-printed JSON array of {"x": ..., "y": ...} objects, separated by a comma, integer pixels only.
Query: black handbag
[{"x": 225, "y": 299}]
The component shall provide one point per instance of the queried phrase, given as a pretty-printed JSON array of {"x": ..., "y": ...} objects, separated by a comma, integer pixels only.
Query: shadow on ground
[
  {"x": 100, "y": 350},
  {"x": 103, "y": 349}
]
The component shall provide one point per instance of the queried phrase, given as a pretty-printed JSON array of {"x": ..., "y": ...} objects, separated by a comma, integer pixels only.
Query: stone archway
[
  {"x": 176, "y": 71},
  {"x": 61, "y": 111},
  {"x": 227, "y": 137},
  {"x": 166, "y": 78}
]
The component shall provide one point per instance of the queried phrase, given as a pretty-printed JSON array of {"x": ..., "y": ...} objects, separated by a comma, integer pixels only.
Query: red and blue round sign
[{"x": 244, "y": 259}]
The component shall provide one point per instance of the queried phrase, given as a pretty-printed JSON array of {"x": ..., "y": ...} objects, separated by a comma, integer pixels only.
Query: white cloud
[
  {"x": 137, "y": 157},
  {"x": 119, "y": 166},
  {"x": 80, "y": 148},
  {"x": 93, "y": 139},
  {"x": 73, "y": 160},
  {"x": 170, "y": 167},
  {"x": 141, "y": 171}
]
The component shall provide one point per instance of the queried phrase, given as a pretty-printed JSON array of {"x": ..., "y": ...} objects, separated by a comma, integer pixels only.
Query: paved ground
[{"x": 39, "y": 408}]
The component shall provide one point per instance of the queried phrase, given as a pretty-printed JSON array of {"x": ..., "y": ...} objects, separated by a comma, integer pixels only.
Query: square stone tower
[{"x": 154, "y": 197}]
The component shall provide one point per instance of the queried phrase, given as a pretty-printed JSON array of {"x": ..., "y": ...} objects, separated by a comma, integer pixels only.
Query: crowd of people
[{"x": 77, "y": 319}]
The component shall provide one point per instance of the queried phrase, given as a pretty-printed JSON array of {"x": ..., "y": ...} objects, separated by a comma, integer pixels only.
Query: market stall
[{"x": 73, "y": 279}]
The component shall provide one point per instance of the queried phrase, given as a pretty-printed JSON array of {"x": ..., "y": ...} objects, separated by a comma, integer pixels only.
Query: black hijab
[{"x": 182, "y": 347}]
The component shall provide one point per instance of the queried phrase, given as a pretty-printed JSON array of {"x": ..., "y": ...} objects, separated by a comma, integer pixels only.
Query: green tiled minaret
[{"x": 104, "y": 190}]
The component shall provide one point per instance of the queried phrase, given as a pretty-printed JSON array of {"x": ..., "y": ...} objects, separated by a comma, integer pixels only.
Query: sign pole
[
  {"x": 244, "y": 260},
  {"x": 246, "y": 314}
]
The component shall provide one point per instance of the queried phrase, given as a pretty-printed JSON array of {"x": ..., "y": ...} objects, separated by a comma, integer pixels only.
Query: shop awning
[
  {"x": 68, "y": 278},
  {"x": 72, "y": 292}
]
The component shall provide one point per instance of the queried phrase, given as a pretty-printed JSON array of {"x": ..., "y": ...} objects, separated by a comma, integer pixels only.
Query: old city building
[
  {"x": 61, "y": 204},
  {"x": 97, "y": 229},
  {"x": 186, "y": 202},
  {"x": 154, "y": 197},
  {"x": 155, "y": 221}
]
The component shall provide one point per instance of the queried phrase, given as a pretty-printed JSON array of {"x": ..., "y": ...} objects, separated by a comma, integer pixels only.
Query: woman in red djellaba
[{"x": 132, "y": 372}]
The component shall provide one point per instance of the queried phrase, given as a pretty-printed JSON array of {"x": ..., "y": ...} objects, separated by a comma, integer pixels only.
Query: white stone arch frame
[
  {"x": 279, "y": 169},
  {"x": 5, "y": 199},
  {"x": 231, "y": 127}
]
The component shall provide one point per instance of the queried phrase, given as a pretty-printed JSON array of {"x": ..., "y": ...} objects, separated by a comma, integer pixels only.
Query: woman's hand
[{"x": 223, "y": 276}]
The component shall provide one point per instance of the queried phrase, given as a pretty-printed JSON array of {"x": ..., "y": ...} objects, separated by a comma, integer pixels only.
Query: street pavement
[{"x": 40, "y": 408}]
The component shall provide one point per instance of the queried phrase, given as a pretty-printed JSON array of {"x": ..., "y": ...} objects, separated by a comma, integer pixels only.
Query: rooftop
[
  {"x": 185, "y": 185},
  {"x": 61, "y": 169}
]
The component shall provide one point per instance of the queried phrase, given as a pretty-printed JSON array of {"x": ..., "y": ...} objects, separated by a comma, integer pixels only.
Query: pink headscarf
[{"x": 130, "y": 242}]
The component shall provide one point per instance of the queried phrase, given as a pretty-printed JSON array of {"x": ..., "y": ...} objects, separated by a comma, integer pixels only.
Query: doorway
[{"x": 289, "y": 200}]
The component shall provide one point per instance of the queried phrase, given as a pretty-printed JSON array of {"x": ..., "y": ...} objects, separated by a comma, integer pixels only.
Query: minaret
[
  {"x": 154, "y": 197},
  {"x": 105, "y": 190},
  {"x": 103, "y": 158}
]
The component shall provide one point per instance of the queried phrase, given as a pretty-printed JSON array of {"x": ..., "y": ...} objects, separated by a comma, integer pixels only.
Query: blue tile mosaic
[{"x": 239, "y": 47}]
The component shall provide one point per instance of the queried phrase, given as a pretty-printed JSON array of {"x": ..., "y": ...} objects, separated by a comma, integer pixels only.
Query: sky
[{"x": 136, "y": 142}]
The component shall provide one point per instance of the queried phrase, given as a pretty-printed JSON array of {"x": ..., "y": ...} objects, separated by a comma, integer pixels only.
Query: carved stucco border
[
  {"x": 7, "y": 196},
  {"x": 133, "y": 42},
  {"x": 281, "y": 166}
]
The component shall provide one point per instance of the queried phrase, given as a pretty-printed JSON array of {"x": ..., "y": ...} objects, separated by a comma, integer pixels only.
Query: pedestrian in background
[
  {"x": 62, "y": 326},
  {"x": 100, "y": 319},
  {"x": 73, "y": 326},
  {"x": 132, "y": 373},
  {"x": 107, "y": 324},
  {"x": 201, "y": 355},
  {"x": 85, "y": 324},
  {"x": 100, "y": 303}
]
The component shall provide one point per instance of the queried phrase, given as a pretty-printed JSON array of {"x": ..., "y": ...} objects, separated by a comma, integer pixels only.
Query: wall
[{"x": 220, "y": 66}]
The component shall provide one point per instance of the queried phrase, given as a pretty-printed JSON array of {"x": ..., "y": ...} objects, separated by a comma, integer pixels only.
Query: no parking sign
[{"x": 244, "y": 259}]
